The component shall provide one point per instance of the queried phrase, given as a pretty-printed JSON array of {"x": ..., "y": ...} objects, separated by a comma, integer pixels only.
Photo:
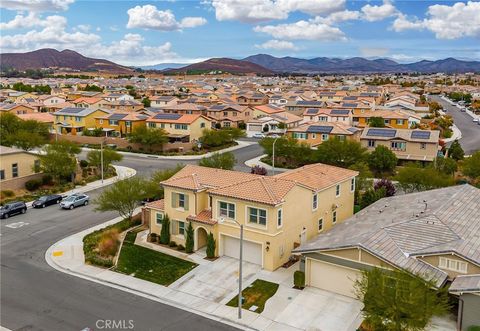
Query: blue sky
[{"x": 151, "y": 32}]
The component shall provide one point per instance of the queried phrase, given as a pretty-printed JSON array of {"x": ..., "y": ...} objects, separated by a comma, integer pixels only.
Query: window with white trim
[
  {"x": 334, "y": 217},
  {"x": 257, "y": 216},
  {"x": 181, "y": 200},
  {"x": 226, "y": 210},
  {"x": 159, "y": 218},
  {"x": 279, "y": 218},
  {"x": 337, "y": 190},
  {"x": 315, "y": 201},
  {"x": 320, "y": 225},
  {"x": 453, "y": 265},
  {"x": 181, "y": 227},
  {"x": 371, "y": 143}
]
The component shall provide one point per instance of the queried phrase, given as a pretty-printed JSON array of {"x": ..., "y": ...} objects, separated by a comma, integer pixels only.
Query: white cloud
[
  {"x": 83, "y": 27},
  {"x": 446, "y": 22},
  {"x": 337, "y": 17},
  {"x": 36, "y": 5},
  {"x": 255, "y": 11},
  {"x": 131, "y": 51},
  {"x": 303, "y": 30},
  {"x": 149, "y": 17},
  {"x": 374, "y": 51},
  {"x": 21, "y": 21},
  {"x": 191, "y": 22},
  {"x": 378, "y": 13},
  {"x": 278, "y": 45}
]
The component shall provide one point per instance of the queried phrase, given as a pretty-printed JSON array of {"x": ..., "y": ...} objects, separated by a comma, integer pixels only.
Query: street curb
[
  {"x": 129, "y": 172},
  {"x": 240, "y": 144},
  {"x": 163, "y": 300},
  {"x": 256, "y": 161}
]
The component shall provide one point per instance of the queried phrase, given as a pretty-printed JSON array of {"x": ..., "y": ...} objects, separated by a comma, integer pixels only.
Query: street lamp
[
  {"x": 273, "y": 155},
  {"x": 101, "y": 153},
  {"x": 239, "y": 269}
]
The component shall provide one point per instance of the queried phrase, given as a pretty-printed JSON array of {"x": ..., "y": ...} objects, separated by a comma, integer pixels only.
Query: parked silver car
[{"x": 75, "y": 200}]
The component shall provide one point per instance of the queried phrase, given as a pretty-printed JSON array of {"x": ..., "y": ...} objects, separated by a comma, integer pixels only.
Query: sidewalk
[
  {"x": 122, "y": 173},
  {"x": 241, "y": 144},
  {"x": 256, "y": 161},
  {"x": 206, "y": 289}
]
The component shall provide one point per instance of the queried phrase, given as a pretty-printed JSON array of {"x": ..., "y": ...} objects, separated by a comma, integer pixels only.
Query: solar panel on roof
[
  {"x": 382, "y": 133},
  {"x": 312, "y": 111},
  {"x": 350, "y": 105},
  {"x": 340, "y": 112},
  {"x": 71, "y": 110},
  {"x": 117, "y": 116},
  {"x": 319, "y": 129},
  {"x": 167, "y": 116},
  {"x": 217, "y": 107},
  {"x": 420, "y": 134}
]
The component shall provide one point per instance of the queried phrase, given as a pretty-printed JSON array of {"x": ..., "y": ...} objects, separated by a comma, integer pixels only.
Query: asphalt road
[
  {"x": 470, "y": 130},
  {"x": 36, "y": 297}
]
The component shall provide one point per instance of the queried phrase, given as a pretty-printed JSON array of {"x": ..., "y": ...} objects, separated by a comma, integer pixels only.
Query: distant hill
[
  {"x": 359, "y": 65},
  {"x": 222, "y": 64},
  {"x": 51, "y": 58},
  {"x": 164, "y": 66}
]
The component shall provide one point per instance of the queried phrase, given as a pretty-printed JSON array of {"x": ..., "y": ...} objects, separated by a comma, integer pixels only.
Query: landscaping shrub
[
  {"x": 210, "y": 246},
  {"x": 172, "y": 244},
  {"x": 7, "y": 193},
  {"x": 474, "y": 328},
  {"x": 109, "y": 243},
  {"x": 83, "y": 163},
  {"x": 33, "y": 184},
  {"x": 180, "y": 247},
  {"x": 165, "y": 233},
  {"x": 189, "y": 241},
  {"x": 387, "y": 184},
  {"x": 152, "y": 237},
  {"x": 258, "y": 170},
  {"x": 299, "y": 279},
  {"x": 47, "y": 179},
  {"x": 92, "y": 241}
]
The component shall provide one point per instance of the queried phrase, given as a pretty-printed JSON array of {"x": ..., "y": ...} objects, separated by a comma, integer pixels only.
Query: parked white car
[{"x": 258, "y": 135}]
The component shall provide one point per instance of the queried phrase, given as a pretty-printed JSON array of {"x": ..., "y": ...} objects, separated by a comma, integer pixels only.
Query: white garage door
[
  {"x": 333, "y": 278},
  {"x": 252, "y": 252}
]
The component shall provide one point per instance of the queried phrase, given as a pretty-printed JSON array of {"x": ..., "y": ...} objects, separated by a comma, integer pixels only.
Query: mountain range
[
  {"x": 263, "y": 64},
  {"x": 359, "y": 65},
  {"x": 51, "y": 58}
]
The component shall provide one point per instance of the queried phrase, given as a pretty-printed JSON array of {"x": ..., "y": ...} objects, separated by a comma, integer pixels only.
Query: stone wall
[{"x": 122, "y": 143}]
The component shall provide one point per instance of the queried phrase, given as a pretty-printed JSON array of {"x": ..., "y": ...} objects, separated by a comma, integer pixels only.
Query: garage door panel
[
  {"x": 252, "y": 252},
  {"x": 333, "y": 278}
]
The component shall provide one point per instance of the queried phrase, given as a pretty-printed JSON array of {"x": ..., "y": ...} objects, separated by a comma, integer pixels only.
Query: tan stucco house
[
  {"x": 434, "y": 234},
  {"x": 279, "y": 212},
  {"x": 17, "y": 167}
]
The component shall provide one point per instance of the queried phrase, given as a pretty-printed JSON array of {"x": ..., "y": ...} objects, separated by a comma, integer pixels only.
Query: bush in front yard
[
  {"x": 210, "y": 246},
  {"x": 93, "y": 241},
  {"x": 109, "y": 242},
  {"x": 33, "y": 184},
  {"x": 299, "y": 279},
  {"x": 180, "y": 248},
  {"x": 165, "y": 233},
  {"x": 152, "y": 237},
  {"x": 172, "y": 244},
  {"x": 189, "y": 239}
]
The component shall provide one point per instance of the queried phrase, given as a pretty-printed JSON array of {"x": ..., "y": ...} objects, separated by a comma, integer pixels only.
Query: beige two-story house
[
  {"x": 278, "y": 213},
  {"x": 408, "y": 145}
]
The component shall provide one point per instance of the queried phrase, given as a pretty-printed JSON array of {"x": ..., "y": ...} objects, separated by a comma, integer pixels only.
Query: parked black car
[
  {"x": 13, "y": 208},
  {"x": 47, "y": 200}
]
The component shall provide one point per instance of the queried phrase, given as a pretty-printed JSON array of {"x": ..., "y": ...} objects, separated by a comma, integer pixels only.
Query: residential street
[
  {"x": 36, "y": 297},
  {"x": 470, "y": 130}
]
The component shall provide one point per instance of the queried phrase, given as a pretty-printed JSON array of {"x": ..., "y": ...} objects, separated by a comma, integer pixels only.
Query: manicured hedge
[{"x": 91, "y": 241}]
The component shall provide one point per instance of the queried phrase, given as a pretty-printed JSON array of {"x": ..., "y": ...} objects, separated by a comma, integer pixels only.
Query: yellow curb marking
[{"x": 57, "y": 253}]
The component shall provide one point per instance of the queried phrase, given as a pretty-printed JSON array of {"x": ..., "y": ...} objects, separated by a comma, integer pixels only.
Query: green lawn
[
  {"x": 256, "y": 295},
  {"x": 150, "y": 265}
]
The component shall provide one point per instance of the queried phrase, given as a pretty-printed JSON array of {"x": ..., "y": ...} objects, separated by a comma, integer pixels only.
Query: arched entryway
[{"x": 200, "y": 238}]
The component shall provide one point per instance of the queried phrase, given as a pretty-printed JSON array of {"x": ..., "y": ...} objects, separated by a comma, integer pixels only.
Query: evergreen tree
[
  {"x": 456, "y": 151},
  {"x": 189, "y": 241},
  {"x": 165, "y": 232},
  {"x": 211, "y": 245}
]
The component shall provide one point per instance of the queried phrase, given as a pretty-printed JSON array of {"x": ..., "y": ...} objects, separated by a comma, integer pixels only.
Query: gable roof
[{"x": 399, "y": 228}]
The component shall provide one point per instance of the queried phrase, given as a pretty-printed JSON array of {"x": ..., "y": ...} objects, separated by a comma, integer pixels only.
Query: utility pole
[{"x": 273, "y": 156}]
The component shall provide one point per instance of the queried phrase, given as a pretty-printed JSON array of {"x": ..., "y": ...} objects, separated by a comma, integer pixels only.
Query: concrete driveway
[
  {"x": 215, "y": 281},
  {"x": 315, "y": 309}
]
